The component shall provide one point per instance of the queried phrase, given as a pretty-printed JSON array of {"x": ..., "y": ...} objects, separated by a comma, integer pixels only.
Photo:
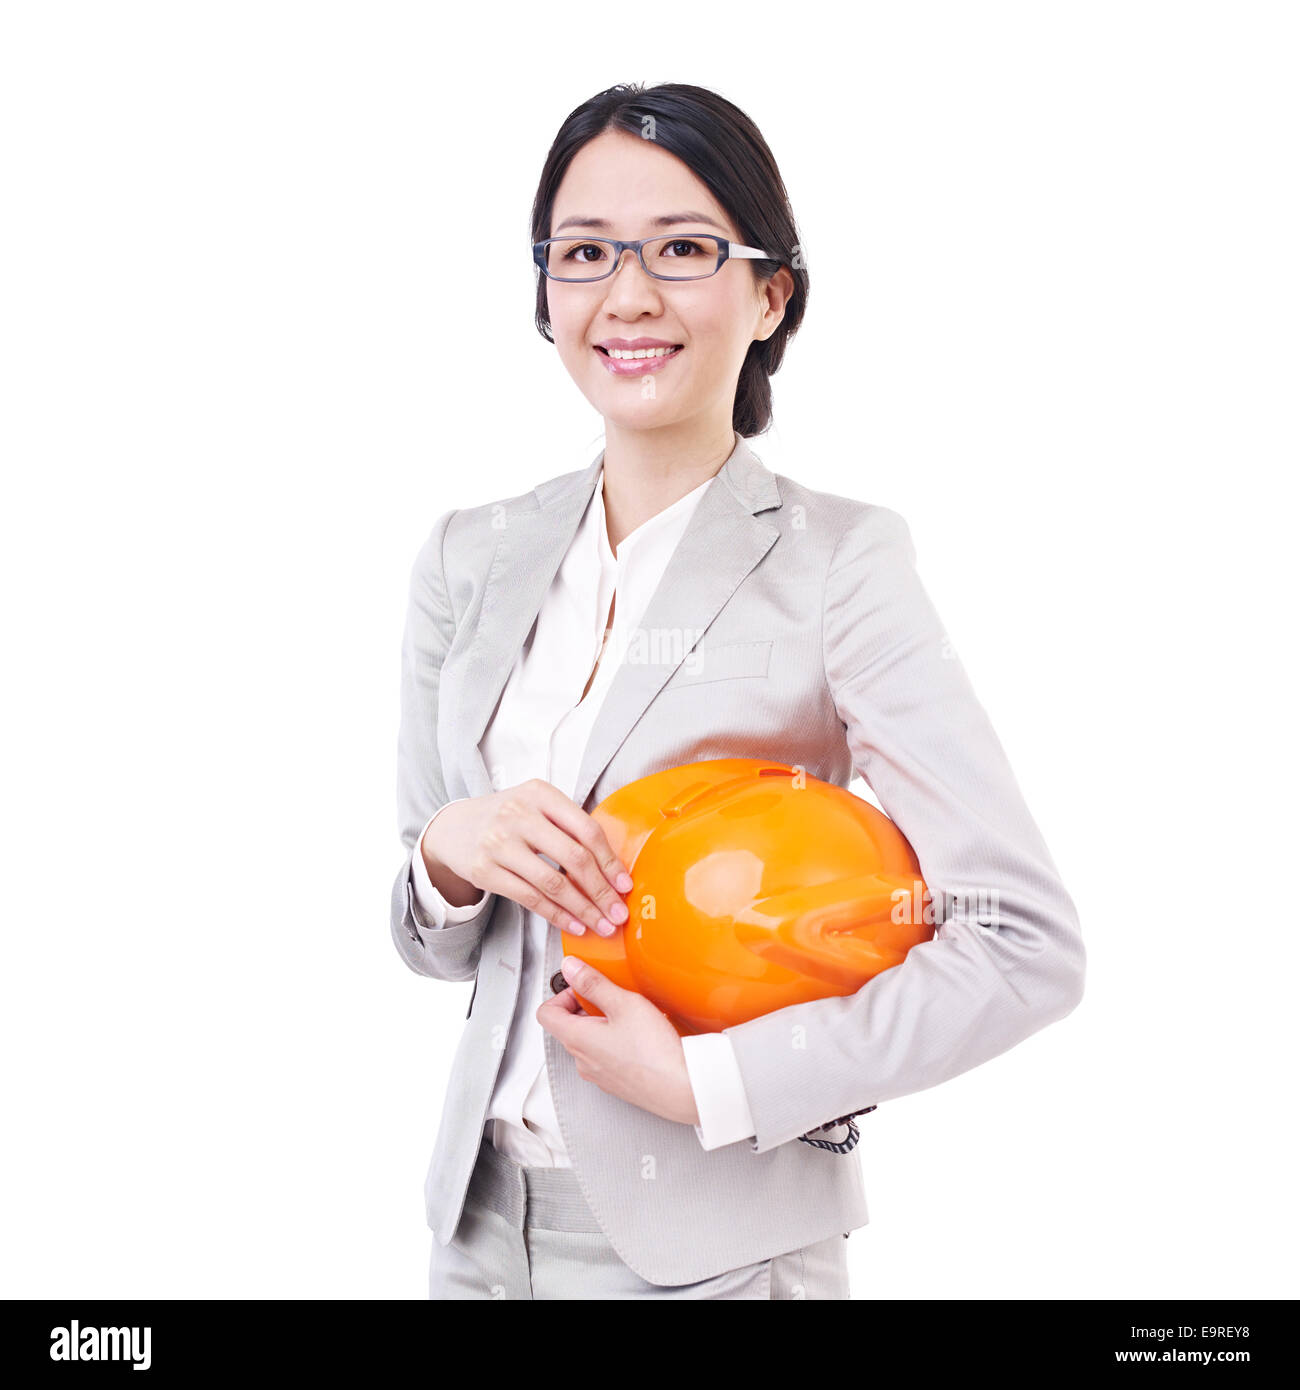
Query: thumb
[{"x": 590, "y": 983}]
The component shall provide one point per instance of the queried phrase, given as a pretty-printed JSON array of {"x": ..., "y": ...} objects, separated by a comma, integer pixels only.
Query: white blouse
[{"x": 540, "y": 729}]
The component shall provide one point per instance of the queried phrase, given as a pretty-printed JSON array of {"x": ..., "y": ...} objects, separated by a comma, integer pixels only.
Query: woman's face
[{"x": 627, "y": 184}]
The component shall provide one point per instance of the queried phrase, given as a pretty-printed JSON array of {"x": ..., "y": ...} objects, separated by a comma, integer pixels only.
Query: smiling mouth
[{"x": 651, "y": 354}]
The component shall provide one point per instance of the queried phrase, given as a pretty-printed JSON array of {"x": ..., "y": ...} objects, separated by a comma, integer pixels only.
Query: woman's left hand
[{"x": 633, "y": 1052}]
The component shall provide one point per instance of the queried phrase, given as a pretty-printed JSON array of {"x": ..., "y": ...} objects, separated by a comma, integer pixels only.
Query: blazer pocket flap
[{"x": 723, "y": 662}]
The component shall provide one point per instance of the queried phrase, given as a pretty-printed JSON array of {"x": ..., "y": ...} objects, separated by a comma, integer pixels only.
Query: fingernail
[
  {"x": 618, "y": 912},
  {"x": 575, "y": 928},
  {"x": 623, "y": 883},
  {"x": 605, "y": 927}
]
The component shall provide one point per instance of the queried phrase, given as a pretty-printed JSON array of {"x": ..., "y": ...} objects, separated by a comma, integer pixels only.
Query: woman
[{"x": 674, "y": 602}]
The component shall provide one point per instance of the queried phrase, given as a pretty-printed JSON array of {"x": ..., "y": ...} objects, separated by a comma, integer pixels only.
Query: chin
[{"x": 642, "y": 415}]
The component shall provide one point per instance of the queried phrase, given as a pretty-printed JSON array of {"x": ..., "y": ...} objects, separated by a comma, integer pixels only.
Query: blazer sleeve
[
  {"x": 1008, "y": 959},
  {"x": 450, "y": 952}
]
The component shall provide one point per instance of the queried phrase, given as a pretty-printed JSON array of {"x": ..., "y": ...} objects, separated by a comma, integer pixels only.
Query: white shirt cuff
[
  {"x": 719, "y": 1090},
  {"x": 428, "y": 900}
]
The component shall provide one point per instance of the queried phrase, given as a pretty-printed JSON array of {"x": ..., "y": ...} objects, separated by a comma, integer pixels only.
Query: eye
[
  {"x": 693, "y": 248},
  {"x": 572, "y": 253}
]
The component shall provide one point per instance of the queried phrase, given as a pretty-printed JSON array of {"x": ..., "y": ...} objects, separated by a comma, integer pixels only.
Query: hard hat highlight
[{"x": 754, "y": 887}]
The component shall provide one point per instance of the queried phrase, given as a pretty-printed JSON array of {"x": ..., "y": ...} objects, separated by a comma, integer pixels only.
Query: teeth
[{"x": 623, "y": 355}]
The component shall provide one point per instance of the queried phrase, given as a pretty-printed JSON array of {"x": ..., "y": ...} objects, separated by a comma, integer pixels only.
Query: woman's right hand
[{"x": 494, "y": 843}]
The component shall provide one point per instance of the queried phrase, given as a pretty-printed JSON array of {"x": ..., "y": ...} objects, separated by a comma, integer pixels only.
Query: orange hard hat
[{"x": 754, "y": 886}]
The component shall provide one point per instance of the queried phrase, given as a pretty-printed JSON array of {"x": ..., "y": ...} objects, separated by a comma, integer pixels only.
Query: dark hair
[{"x": 725, "y": 150}]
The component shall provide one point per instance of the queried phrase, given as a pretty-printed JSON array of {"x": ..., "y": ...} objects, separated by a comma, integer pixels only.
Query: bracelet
[{"x": 845, "y": 1145}]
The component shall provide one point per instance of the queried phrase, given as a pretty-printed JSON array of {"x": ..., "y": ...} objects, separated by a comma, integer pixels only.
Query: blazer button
[{"x": 558, "y": 983}]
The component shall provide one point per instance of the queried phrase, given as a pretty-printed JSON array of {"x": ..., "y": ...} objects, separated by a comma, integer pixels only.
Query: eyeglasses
[{"x": 665, "y": 257}]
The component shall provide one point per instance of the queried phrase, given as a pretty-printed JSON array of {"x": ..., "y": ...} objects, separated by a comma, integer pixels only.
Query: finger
[
  {"x": 557, "y": 1016},
  {"x": 588, "y": 981},
  {"x": 560, "y": 900},
  {"x": 568, "y": 1001},
  {"x": 500, "y": 879},
  {"x": 576, "y": 879},
  {"x": 576, "y": 823}
]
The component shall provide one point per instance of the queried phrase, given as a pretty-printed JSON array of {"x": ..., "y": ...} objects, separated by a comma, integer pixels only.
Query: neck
[{"x": 648, "y": 470}]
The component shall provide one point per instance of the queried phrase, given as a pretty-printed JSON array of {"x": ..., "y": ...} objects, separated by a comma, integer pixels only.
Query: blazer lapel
[
  {"x": 723, "y": 541},
  {"x": 534, "y": 537}
]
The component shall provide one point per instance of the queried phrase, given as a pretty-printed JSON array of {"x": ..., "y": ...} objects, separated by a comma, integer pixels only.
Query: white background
[{"x": 1053, "y": 322}]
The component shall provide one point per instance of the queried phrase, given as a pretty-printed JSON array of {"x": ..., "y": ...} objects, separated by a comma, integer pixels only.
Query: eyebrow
[{"x": 669, "y": 219}]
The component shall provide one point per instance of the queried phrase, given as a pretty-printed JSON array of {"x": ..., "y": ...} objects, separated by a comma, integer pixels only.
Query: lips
[
  {"x": 637, "y": 368},
  {"x": 677, "y": 347}
]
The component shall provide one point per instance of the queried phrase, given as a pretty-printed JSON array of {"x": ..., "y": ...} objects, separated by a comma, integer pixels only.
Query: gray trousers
[{"x": 528, "y": 1233}]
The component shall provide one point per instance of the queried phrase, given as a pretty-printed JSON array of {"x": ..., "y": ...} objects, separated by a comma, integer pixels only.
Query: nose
[
  {"x": 624, "y": 256},
  {"x": 640, "y": 282}
]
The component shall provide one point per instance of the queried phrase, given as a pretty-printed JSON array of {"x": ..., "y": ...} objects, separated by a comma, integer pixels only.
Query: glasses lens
[
  {"x": 672, "y": 257},
  {"x": 682, "y": 257},
  {"x": 573, "y": 258}
]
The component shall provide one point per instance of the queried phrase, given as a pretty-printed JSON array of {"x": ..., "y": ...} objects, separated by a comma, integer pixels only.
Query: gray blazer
[{"x": 819, "y": 648}]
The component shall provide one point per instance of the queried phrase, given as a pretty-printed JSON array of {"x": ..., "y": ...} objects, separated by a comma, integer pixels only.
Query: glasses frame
[{"x": 727, "y": 251}]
